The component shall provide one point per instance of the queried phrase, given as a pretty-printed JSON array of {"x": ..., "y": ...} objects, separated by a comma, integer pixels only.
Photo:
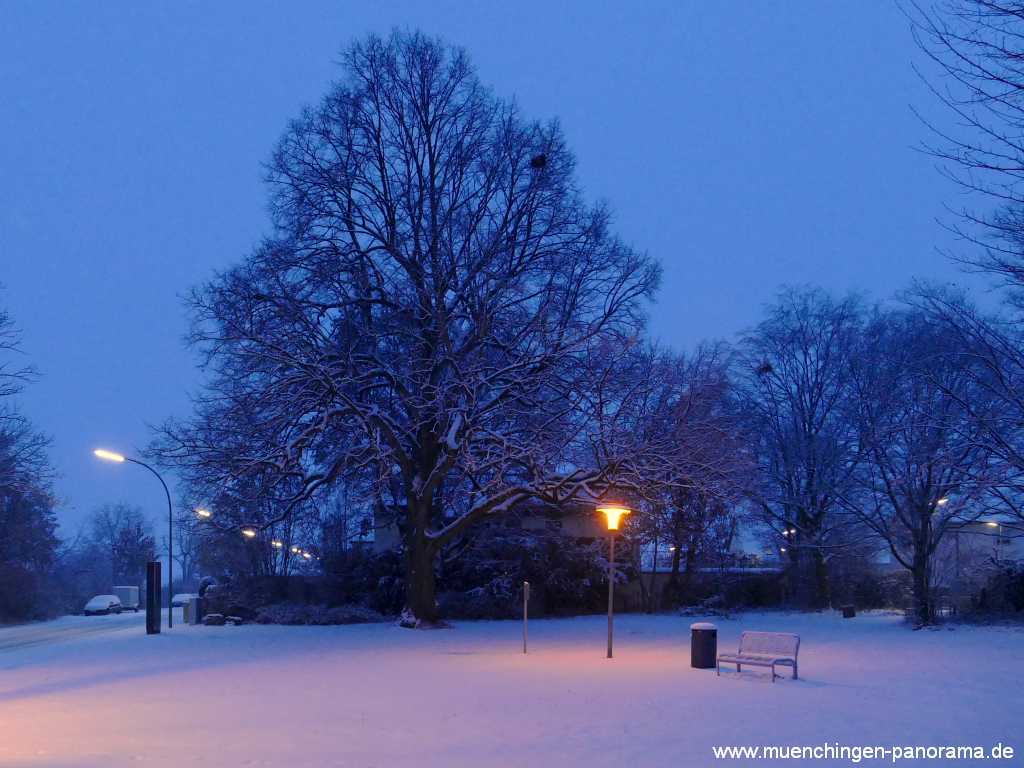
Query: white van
[{"x": 129, "y": 597}]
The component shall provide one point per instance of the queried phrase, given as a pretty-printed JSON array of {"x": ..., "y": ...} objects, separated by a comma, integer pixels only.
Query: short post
[
  {"x": 611, "y": 589},
  {"x": 526, "y": 601},
  {"x": 154, "y": 591}
]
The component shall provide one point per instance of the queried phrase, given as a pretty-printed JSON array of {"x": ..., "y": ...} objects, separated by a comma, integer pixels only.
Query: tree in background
[
  {"x": 28, "y": 551},
  {"x": 990, "y": 353},
  {"x": 978, "y": 47},
  {"x": 924, "y": 467},
  {"x": 24, "y": 465},
  {"x": 186, "y": 552},
  {"x": 706, "y": 464},
  {"x": 124, "y": 537},
  {"x": 217, "y": 545},
  {"x": 434, "y": 311},
  {"x": 794, "y": 374},
  {"x": 28, "y": 541}
]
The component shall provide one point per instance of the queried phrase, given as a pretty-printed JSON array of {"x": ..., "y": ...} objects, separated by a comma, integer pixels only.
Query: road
[{"x": 70, "y": 628}]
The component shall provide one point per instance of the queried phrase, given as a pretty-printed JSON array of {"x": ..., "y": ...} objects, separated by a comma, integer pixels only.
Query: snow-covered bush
[
  {"x": 291, "y": 613},
  {"x": 567, "y": 575}
]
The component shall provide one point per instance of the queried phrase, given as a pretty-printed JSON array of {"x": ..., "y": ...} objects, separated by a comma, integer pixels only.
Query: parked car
[
  {"x": 129, "y": 597},
  {"x": 102, "y": 605},
  {"x": 181, "y": 598}
]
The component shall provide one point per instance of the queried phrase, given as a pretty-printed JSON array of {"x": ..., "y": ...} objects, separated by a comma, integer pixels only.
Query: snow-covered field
[{"x": 377, "y": 695}]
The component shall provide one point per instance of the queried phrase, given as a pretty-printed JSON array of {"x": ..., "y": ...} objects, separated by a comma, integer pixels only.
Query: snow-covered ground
[
  {"x": 378, "y": 695},
  {"x": 69, "y": 628}
]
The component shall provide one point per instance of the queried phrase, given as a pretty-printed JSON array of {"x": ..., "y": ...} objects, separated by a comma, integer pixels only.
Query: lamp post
[
  {"x": 613, "y": 515},
  {"x": 120, "y": 459}
]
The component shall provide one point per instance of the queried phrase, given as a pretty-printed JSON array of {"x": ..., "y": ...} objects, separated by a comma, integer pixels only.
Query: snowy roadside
[
  {"x": 67, "y": 628},
  {"x": 377, "y": 695}
]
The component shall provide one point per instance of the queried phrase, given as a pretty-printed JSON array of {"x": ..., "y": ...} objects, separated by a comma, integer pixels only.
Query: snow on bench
[{"x": 763, "y": 649}]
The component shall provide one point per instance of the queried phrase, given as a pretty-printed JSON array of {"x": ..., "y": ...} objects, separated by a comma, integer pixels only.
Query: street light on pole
[
  {"x": 118, "y": 458},
  {"x": 613, "y": 515}
]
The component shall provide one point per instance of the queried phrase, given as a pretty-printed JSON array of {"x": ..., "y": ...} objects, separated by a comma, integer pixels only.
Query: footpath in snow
[{"x": 378, "y": 695}]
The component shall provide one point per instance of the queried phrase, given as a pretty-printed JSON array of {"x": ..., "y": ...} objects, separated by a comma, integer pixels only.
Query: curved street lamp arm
[{"x": 144, "y": 464}]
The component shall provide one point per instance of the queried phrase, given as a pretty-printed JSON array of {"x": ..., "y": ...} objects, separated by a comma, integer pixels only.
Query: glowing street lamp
[
  {"x": 613, "y": 516},
  {"x": 118, "y": 458},
  {"x": 205, "y": 514},
  {"x": 249, "y": 532},
  {"x": 109, "y": 455},
  {"x": 277, "y": 544}
]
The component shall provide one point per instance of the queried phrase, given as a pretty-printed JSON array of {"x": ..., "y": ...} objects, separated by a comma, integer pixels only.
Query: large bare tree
[
  {"x": 977, "y": 49},
  {"x": 795, "y": 369},
  {"x": 706, "y": 461},
  {"x": 434, "y": 309},
  {"x": 919, "y": 416}
]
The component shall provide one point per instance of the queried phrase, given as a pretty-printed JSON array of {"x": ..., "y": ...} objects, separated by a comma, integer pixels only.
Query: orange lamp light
[{"x": 614, "y": 514}]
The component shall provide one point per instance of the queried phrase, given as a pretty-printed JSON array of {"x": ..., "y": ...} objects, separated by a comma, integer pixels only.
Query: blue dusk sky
[{"x": 745, "y": 145}]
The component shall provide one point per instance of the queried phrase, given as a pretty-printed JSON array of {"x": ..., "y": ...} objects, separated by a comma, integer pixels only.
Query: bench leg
[
  {"x": 773, "y": 673},
  {"x": 794, "y": 670},
  {"x": 718, "y": 668},
  {"x": 739, "y": 667}
]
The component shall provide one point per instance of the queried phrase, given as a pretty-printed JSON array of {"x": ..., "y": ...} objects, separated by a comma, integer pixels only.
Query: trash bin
[{"x": 703, "y": 645}]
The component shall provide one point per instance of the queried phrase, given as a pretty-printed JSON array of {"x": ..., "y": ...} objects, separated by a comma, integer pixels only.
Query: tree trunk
[
  {"x": 650, "y": 595},
  {"x": 670, "y": 592},
  {"x": 686, "y": 586},
  {"x": 810, "y": 582},
  {"x": 923, "y": 609},
  {"x": 821, "y": 586},
  {"x": 420, "y": 598}
]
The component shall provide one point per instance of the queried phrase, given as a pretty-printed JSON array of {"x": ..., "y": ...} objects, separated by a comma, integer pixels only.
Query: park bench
[{"x": 763, "y": 649}]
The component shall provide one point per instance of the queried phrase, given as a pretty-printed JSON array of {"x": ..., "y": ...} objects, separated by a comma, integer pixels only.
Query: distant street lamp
[
  {"x": 999, "y": 536},
  {"x": 205, "y": 514},
  {"x": 120, "y": 459},
  {"x": 249, "y": 532},
  {"x": 613, "y": 515}
]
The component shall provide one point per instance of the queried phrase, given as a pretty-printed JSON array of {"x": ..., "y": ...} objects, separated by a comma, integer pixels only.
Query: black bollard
[{"x": 154, "y": 591}]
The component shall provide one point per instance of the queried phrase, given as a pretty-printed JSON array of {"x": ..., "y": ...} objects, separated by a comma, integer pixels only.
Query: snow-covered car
[
  {"x": 181, "y": 598},
  {"x": 102, "y": 605}
]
